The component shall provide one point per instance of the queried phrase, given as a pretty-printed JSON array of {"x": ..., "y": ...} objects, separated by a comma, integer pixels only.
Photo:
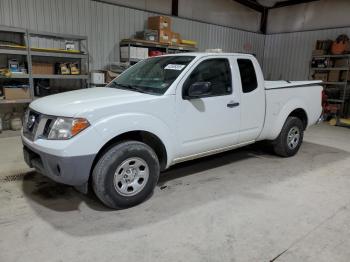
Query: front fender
[{"x": 112, "y": 126}]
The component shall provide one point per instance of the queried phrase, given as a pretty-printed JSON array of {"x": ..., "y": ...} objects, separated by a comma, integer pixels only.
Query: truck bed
[{"x": 282, "y": 97}]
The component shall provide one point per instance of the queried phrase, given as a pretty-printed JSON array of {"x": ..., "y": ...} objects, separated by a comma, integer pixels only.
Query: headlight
[{"x": 65, "y": 128}]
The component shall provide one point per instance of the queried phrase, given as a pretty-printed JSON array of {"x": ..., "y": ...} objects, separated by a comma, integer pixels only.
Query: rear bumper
[{"x": 73, "y": 170}]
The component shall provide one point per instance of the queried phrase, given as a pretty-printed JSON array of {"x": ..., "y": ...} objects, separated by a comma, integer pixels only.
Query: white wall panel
[
  {"x": 310, "y": 16},
  {"x": 106, "y": 24},
  {"x": 287, "y": 56},
  {"x": 221, "y": 12}
]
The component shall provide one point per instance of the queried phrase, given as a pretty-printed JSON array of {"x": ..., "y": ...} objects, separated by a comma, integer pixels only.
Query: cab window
[{"x": 215, "y": 71}]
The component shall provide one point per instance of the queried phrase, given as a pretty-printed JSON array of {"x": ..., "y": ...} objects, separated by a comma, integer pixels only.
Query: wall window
[
  {"x": 216, "y": 71},
  {"x": 248, "y": 75}
]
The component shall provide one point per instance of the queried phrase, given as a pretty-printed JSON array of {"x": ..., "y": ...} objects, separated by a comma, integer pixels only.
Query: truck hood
[{"x": 80, "y": 102}]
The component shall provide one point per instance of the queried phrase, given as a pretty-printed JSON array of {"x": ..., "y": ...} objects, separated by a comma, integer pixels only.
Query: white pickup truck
[{"x": 162, "y": 111}]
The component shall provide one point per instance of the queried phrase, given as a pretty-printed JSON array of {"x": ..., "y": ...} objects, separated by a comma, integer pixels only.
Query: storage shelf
[
  {"x": 145, "y": 43},
  {"x": 334, "y": 83},
  {"x": 36, "y": 76},
  {"x": 330, "y": 68},
  {"x": 183, "y": 48},
  {"x": 23, "y": 47},
  {"x": 140, "y": 42},
  {"x": 16, "y": 76},
  {"x": 58, "y": 54},
  {"x": 13, "y": 51},
  {"x": 335, "y": 100},
  {"x": 56, "y": 35},
  {"x": 133, "y": 60},
  {"x": 17, "y": 101},
  {"x": 331, "y": 56}
]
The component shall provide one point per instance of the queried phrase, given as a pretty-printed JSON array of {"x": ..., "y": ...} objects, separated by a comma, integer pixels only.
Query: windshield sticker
[{"x": 174, "y": 67}]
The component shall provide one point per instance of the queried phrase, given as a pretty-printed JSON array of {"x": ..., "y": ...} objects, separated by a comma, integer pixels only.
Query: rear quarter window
[{"x": 248, "y": 75}]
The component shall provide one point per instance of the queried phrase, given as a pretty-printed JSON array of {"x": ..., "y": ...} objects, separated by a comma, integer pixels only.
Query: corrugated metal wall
[
  {"x": 287, "y": 56},
  {"x": 105, "y": 25}
]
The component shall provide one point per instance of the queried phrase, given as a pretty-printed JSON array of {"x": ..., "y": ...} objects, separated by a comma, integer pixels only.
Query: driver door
[{"x": 210, "y": 122}]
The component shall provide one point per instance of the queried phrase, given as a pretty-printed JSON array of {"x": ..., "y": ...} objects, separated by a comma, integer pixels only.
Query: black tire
[
  {"x": 103, "y": 176},
  {"x": 281, "y": 145}
]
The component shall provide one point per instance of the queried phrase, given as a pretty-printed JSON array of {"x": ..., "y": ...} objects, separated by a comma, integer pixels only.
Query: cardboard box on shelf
[
  {"x": 13, "y": 93},
  {"x": 43, "y": 68},
  {"x": 142, "y": 52},
  {"x": 318, "y": 52},
  {"x": 323, "y": 44},
  {"x": 164, "y": 36},
  {"x": 175, "y": 38},
  {"x": 148, "y": 34},
  {"x": 159, "y": 23},
  {"x": 343, "y": 76},
  {"x": 97, "y": 77},
  {"x": 321, "y": 76},
  {"x": 334, "y": 76},
  {"x": 342, "y": 62},
  {"x": 110, "y": 76},
  {"x": 135, "y": 52},
  {"x": 125, "y": 53}
]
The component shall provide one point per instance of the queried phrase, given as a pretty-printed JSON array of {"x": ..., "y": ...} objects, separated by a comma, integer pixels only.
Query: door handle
[{"x": 232, "y": 104}]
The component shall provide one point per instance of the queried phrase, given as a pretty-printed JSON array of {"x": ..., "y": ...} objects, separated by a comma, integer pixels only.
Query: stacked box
[
  {"x": 135, "y": 52},
  {"x": 175, "y": 38},
  {"x": 163, "y": 26},
  {"x": 16, "y": 92},
  {"x": 321, "y": 76},
  {"x": 334, "y": 76},
  {"x": 148, "y": 34},
  {"x": 43, "y": 68},
  {"x": 159, "y": 23},
  {"x": 164, "y": 36}
]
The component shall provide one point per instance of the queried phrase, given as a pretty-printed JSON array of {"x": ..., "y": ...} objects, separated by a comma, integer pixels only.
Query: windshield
[{"x": 153, "y": 75}]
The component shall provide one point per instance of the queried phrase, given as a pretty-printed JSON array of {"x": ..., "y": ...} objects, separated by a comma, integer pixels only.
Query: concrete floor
[{"x": 244, "y": 205}]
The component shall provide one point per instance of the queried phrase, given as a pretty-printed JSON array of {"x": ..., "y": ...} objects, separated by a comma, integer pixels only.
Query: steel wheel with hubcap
[
  {"x": 131, "y": 176},
  {"x": 293, "y": 137}
]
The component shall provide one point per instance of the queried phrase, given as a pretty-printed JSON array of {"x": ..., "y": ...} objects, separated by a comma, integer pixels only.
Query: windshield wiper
[{"x": 130, "y": 87}]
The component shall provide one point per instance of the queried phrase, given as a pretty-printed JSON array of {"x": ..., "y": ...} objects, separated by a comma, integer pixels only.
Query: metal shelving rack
[
  {"x": 32, "y": 52},
  {"x": 8, "y": 51},
  {"x": 166, "y": 48},
  {"x": 342, "y": 100}
]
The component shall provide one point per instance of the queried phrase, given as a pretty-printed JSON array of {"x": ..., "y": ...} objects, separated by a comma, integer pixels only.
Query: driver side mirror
[{"x": 198, "y": 90}]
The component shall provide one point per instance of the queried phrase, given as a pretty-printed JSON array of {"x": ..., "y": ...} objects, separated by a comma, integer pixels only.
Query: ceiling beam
[
  {"x": 251, "y": 4},
  {"x": 291, "y": 2},
  {"x": 175, "y": 7}
]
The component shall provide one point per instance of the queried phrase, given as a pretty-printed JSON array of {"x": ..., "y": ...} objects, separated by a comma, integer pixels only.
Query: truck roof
[{"x": 201, "y": 54}]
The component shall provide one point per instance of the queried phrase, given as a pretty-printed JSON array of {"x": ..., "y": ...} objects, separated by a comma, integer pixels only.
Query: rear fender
[{"x": 276, "y": 115}]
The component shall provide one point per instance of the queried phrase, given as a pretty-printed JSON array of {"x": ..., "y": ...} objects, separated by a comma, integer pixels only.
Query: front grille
[{"x": 36, "y": 125}]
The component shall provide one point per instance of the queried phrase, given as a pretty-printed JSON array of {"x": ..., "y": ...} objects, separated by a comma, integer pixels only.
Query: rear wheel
[
  {"x": 290, "y": 139},
  {"x": 126, "y": 174}
]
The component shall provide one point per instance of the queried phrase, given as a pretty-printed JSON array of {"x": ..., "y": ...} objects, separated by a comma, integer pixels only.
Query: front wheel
[
  {"x": 289, "y": 140},
  {"x": 126, "y": 174}
]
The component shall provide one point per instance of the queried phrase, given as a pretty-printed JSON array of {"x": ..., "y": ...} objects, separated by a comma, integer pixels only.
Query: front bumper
[{"x": 74, "y": 170}]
